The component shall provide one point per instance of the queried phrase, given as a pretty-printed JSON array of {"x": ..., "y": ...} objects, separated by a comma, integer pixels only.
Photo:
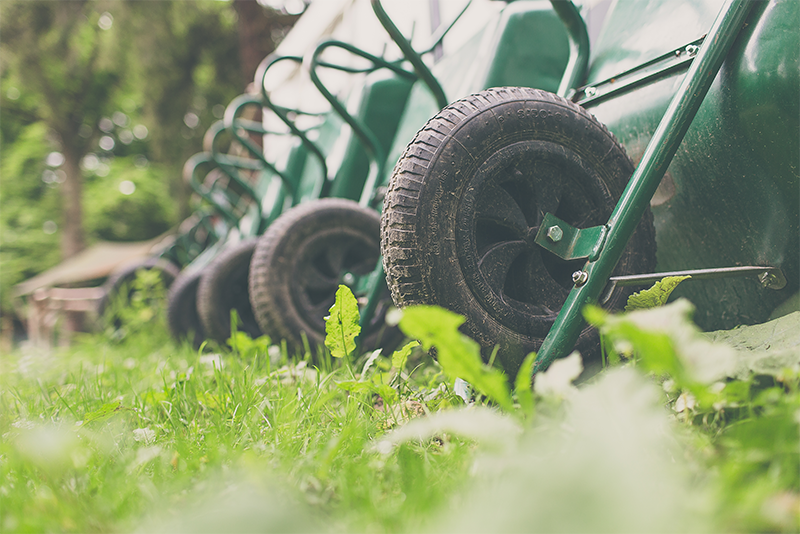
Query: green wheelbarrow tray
[{"x": 602, "y": 246}]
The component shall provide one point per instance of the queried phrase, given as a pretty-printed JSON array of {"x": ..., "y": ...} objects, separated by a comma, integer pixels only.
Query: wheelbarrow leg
[{"x": 591, "y": 281}]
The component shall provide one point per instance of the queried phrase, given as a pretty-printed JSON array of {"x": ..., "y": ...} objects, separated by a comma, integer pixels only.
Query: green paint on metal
[
  {"x": 568, "y": 242},
  {"x": 530, "y": 49},
  {"x": 668, "y": 64},
  {"x": 575, "y": 72},
  {"x": 730, "y": 193},
  {"x": 382, "y": 100},
  {"x": 413, "y": 57},
  {"x": 645, "y": 179}
]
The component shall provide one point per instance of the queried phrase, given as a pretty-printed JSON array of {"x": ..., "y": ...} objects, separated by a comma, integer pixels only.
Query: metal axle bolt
[
  {"x": 555, "y": 234},
  {"x": 580, "y": 277},
  {"x": 766, "y": 279}
]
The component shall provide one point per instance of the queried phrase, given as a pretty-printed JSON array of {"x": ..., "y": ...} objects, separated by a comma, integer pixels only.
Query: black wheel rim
[
  {"x": 520, "y": 284},
  {"x": 322, "y": 264}
]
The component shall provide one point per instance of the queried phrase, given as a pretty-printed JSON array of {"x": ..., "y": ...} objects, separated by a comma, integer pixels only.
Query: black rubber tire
[
  {"x": 465, "y": 201},
  {"x": 299, "y": 263},
  {"x": 182, "y": 317},
  {"x": 124, "y": 275},
  {"x": 222, "y": 288}
]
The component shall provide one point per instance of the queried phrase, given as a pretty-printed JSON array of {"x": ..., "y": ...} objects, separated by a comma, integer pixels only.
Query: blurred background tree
[{"x": 101, "y": 102}]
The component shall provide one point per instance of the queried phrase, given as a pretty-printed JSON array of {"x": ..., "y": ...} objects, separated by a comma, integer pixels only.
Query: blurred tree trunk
[
  {"x": 260, "y": 30},
  {"x": 72, "y": 237}
]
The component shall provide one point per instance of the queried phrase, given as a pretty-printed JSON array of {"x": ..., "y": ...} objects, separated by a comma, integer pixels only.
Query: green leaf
[
  {"x": 656, "y": 295},
  {"x": 458, "y": 355},
  {"x": 342, "y": 327},
  {"x": 387, "y": 393},
  {"x": 103, "y": 413},
  {"x": 354, "y": 386},
  {"x": 400, "y": 356}
]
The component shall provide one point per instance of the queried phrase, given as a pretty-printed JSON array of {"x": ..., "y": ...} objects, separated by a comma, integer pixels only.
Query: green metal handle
[
  {"x": 230, "y": 164},
  {"x": 283, "y": 113},
  {"x": 642, "y": 185},
  {"x": 190, "y": 170},
  {"x": 370, "y": 143},
  {"x": 230, "y": 121},
  {"x": 575, "y": 71},
  {"x": 411, "y": 55}
]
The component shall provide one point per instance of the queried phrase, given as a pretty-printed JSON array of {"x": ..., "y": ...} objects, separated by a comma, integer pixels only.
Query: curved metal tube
[
  {"x": 410, "y": 54},
  {"x": 375, "y": 153},
  {"x": 229, "y": 164},
  {"x": 575, "y": 71},
  {"x": 190, "y": 176},
  {"x": 186, "y": 246},
  {"x": 282, "y": 113},
  {"x": 230, "y": 121}
]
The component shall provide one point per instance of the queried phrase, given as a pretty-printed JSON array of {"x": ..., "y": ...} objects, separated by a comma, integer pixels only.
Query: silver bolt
[
  {"x": 692, "y": 50},
  {"x": 555, "y": 233},
  {"x": 348, "y": 279},
  {"x": 766, "y": 279},
  {"x": 590, "y": 91},
  {"x": 580, "y": 277}
]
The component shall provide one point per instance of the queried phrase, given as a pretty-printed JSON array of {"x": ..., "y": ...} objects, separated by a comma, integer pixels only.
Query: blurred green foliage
[{"x": 137, "y": 84}]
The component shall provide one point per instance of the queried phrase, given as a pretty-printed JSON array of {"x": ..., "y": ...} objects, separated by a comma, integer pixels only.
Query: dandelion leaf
[
  {"x": 342, "y": 326},
  {"x": 656, "y": 295},
  {"x": 458, "y": 355}
]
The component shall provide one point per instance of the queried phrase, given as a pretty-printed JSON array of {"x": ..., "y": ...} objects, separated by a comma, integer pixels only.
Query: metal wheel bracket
[{"x": 568, "y": 242}]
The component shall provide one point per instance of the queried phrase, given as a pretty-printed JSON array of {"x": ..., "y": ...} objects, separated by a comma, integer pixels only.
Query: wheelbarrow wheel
[
  {"x": 222, "y": 288},
  {"x": 123, "y": 278},
  {"x": 182, "y": 317},
  {"x": 466, "y": 200},
  {"x": 301, "y": 260}
]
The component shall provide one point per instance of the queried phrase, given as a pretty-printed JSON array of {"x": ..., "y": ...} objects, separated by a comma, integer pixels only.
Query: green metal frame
[
  {"x": 372, "y": 146},
  {"x": 202, "y": 234},
  {"x": 635, "y": 199}
]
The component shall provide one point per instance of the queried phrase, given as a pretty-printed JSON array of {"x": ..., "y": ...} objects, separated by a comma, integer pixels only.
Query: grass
[
  {"x": 107, "y": 435},
  {"x": 131, "y": 432}
]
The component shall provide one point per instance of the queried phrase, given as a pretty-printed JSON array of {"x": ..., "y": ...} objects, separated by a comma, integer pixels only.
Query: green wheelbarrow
[{"x": 517, "y": 207}]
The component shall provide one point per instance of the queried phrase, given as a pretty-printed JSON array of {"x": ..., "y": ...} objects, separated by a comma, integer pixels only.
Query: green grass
[
  {"x": 105, "y": 435},
  {"x": 134, "y": 433}
]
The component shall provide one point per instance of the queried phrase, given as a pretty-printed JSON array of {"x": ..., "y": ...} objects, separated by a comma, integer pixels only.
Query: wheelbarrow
[
  {"x": 301, "y": 260},
  {"x": 199, "y": 232},
  {"x": 232, "y": 187},
  {"x": 222, "y": 284},
  {"x": 516, "y": 207},
  {"x": 242, "y": 189}
]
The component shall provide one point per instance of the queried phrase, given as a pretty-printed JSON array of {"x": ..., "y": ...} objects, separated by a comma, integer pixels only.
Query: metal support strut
[{"x": 642, "y": 185}]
